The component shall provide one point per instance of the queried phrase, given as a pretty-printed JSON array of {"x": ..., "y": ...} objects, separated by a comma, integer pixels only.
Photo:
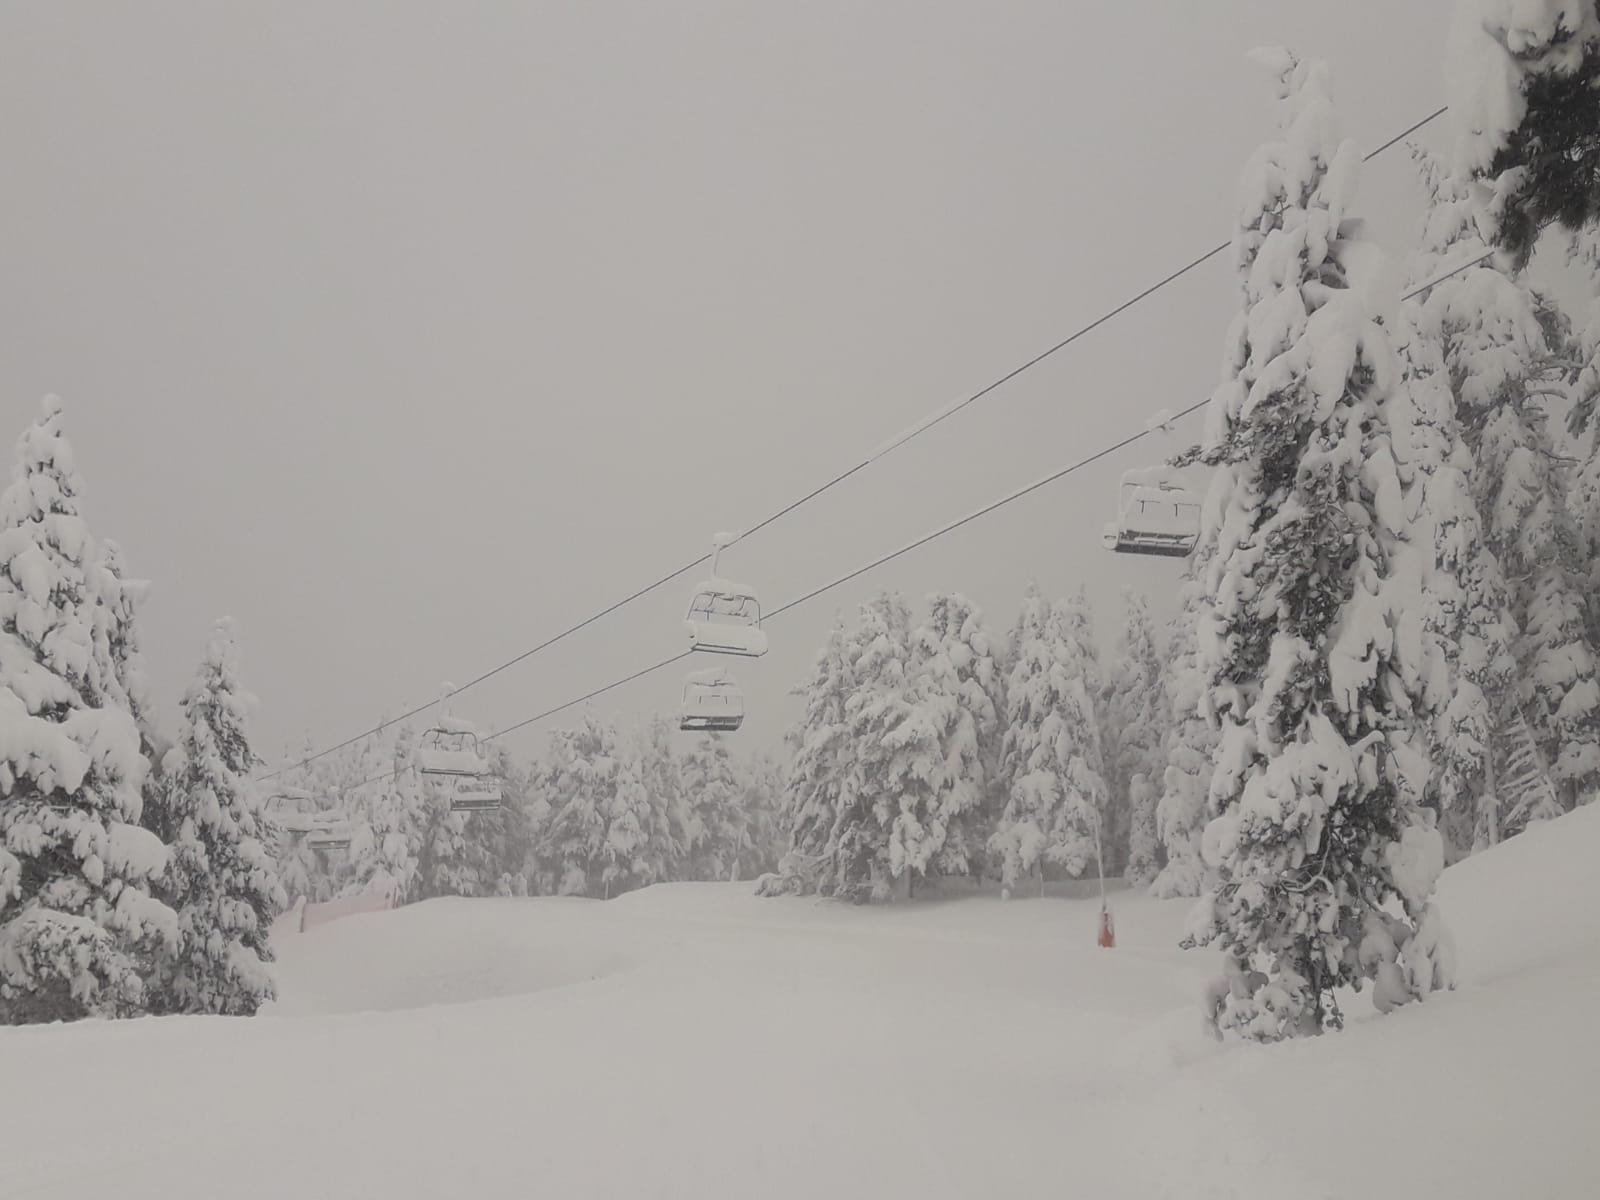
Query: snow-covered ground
[{"x": 693, "y": 1040}]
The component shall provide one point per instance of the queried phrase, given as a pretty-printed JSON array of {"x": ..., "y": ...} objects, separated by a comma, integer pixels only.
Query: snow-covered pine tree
[
  {"x": 1183, "y": 808},
  {"x": 221, "y": 881},
  {"x": 1584, "y": 420},
  {"x": 607, "y": 834},
  {"x": 1493, "y": 331},
  {"x": 445, "y": 864},
  {"x": 538, "y": 873},
  {"x": 959, "y": 684},
  {"x": 890, "y": 823},
  {"x": 1077, "y": 624},
  {"x": 518, "y": 822},
  {"x": 78, "y": 923},
  {"x": 761, "y": 786},
  {"x": 1051, "y": 758},
  {"x": 639, "y": 847},
  {"x": 1467, "y": 603},
  {"x": 116, "y": 633},
  {"x": 575, "y": 773},
  {"x": 385, "y": 849},
  {"x": 810, "y": 805},
  {"x": 1523, "y": 75},
  {"x": 1135, "y": 726},
  {"x": 1314, "y": 648},
  {"x": 624, "y": 855},
  {"x": 116, "y": 630},
  {"x": 718, "y": 830},
  {"x": 671, "y": 804},
  {"x": 1467, "y": 611}
]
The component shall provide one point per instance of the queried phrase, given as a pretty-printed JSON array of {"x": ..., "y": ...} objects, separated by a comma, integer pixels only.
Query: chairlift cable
[
  {"x": 976, "y": 514},
  {"x": 911, "y": 433}
]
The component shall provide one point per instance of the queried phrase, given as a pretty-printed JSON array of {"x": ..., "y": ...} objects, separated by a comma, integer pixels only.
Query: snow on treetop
[
  {"x": 1277, "y": 59},
  {"x": 1493, "y": 46}
]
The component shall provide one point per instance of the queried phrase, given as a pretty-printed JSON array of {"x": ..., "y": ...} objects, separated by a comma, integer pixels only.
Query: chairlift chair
[
  {"x": 328, "y": 832},
  {"x": 1155, "y": 515},
  {"x": 471, "y": 794},
  {"x": 725, "y": 618},
  {"x": 712, "y": 702},
  {"x": 452, "y": 756},
  {"x": 322, "y": 829}
]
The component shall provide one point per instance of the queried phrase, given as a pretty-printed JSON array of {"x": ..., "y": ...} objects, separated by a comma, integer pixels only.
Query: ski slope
[{"x": 694, "y": 1040}]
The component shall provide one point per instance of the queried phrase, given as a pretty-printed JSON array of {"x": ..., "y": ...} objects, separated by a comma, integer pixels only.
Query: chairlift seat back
[
  {"x": 436, "y": 760},
  {"x": 474, "y": 794},
  {"x": 712, "y": 702},
  {"x": 1154, "y": 516}
]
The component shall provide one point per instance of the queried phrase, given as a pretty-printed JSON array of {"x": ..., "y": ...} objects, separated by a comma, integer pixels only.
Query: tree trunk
[{"x": 902, "y": 885}]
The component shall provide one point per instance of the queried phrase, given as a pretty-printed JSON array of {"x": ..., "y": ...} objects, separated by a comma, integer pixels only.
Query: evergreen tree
[
  {"x": 812, "y": 796},
  {"x": 1135, "y": 725},
  {"x": 762, "y": 789},
  {"x": 887, "y": 826},
  {"x": 1583, "y": 352},
  {"x": 719, "y": 834},
  {"x": 1494, "y": 333},
  {"x": 116, "y": 633},
  {"x": 672, "y": 806},
  {"x": 445, "y": 865},
  {"x": 1050, "y": 757},
  {"x": 1077, "y": 624},
  {"x": 1468, "y": 615},
  {"x": 517, "y": 826},
  {"x": 220, "y": 880},
  {"x": 1584, "y": 356},
  {"x": 1313, "y": 648},
  {"x": 78, "y": 923},
  {"x": 387, "y": 846},
  {"x": 639, "y": 848},
  {"x": 959, "y": 682},
  {"x": 606, "y": 835},
  {"x": 1182, "y": 810},
  {"x": 575, "y": 772},
  {"x": 657, "y": 809}
]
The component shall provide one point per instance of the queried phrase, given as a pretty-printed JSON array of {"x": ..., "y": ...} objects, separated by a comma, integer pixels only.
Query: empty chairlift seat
[
  {"x": 329, "y": 831},
  {"x": 1156, "y": 514},
  {"x": 292, "y": 815},
  {"x": 453, "y": 758},
  {"x": 712, "y": 702},
  {"x": 725, "y": 618}
]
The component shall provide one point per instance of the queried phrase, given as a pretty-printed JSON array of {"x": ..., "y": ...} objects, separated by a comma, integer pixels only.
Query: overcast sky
[{"x": 407, "y": 334}]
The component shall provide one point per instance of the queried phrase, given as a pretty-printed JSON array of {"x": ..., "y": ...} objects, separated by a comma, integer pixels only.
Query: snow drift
[{"x": 694, "y": 1040}]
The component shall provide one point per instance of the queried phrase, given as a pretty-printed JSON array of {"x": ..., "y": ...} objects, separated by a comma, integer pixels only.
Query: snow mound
[
  {"x": 1528, "y": 902},
  {"x": 694, "y": 1039}
]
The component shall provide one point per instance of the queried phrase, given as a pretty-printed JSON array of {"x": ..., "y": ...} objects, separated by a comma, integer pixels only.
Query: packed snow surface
[{"x": 693, "y": 1040}]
